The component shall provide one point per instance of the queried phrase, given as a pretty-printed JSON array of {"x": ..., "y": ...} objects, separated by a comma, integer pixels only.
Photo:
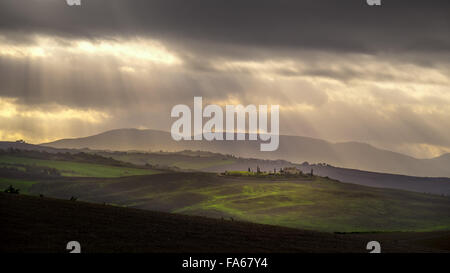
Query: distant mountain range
[
  {"x": 215, "y": 162},
  {"x": 296, "y": 149}
]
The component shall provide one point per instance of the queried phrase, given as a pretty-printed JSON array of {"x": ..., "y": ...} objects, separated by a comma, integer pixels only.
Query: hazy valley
[{"x": 296, "y": 149}]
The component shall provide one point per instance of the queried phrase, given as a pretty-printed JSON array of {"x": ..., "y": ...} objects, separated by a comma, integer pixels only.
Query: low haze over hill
[
  {"x": 292, "y": 148},
  {"x": 215, "y": 162}
]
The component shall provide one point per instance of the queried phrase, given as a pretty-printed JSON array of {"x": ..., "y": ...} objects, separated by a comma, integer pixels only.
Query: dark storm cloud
[
  {"x": 331, "y": 25},
  {"x": 340, "y": 70},
  {"x": 99, "y": 83}
]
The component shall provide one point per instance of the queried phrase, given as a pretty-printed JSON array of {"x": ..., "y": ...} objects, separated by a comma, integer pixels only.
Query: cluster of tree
[
  {"x": 33, "y": 172},
  {"x": 287, "y": 172},
  {"x": 63, "y": 156},
  {"x": 12, "y": 190},
  {"x": 41, "y": 171},
  {"x": 82, "y": 157}
]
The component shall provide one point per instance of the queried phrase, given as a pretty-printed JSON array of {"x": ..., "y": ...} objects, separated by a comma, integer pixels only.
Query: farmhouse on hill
[{"x": 291, "y": 170}]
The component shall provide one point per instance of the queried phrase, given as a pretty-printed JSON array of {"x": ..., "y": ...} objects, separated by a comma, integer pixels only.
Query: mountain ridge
[
  {"x": 219, "y": 163},
  {"x": 297, "y": 149}
]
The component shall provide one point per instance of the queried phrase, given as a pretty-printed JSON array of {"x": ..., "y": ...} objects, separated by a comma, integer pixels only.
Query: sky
[{"x": 340, "y": 70}]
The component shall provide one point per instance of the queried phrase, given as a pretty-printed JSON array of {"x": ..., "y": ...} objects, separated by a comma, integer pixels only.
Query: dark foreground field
[{"x": 34, "y": 224}]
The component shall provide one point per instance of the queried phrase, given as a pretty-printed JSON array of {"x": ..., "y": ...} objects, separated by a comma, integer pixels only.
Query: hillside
[
  {"x": 296, "y": 149},
  {"x": 37, "y": 164},
  {"x": 27, "y": 222},
  {"x": 214, "y": 162},
  {"x": 302, "y": 202},
  {"x": 312, "y": 203}
]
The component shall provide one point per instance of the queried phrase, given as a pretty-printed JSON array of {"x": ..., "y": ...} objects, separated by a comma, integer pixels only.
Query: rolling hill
[
  {"x": 215, "y": 162},
  {"x": 71, "y": 168},
  {"x": 27, "y": 222},
  {"x": 218, "y": 163},
  {"x": 143, "y": 206},
  {"x": 305, "y": 202},
  {"x": 296, "y": 149}
]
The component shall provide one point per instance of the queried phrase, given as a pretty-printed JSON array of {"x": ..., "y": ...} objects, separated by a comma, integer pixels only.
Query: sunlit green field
[
  {"x": 70, "y": 168},
  {"x": 306, "y": 203},
  {"x": 324, "y": 205}
]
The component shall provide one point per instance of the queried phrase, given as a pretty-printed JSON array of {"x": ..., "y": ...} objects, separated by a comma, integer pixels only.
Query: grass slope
[
  {"x": 324, "y": 205},
  {"x": 218, "y": 163},
  {"x": 315, "y": 204},
  {"x": 78, "y": 169},
  {"x": 184, "y": 160},
  {"x": 33, "y": 224}
]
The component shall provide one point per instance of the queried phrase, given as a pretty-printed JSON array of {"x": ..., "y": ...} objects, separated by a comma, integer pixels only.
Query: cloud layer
[{"x": 339, "y": 71}]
